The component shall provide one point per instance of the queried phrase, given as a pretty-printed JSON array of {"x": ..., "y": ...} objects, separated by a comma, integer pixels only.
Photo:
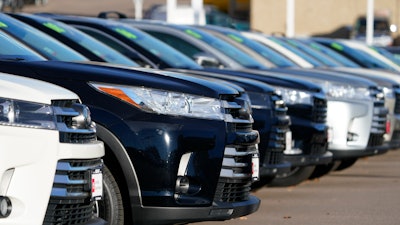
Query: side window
[{"x": 177, "y": 43}]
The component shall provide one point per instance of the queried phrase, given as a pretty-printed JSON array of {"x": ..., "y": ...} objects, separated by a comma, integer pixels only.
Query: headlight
[
  {"x": 345, "y": 91},
  {"x": 259, "y": 100},
  {"x": 388, "y": 92},
  {"x": 293, "y": 96},
  {"x": 26, "y": 114},
  {"x": 165, "y": 102}
]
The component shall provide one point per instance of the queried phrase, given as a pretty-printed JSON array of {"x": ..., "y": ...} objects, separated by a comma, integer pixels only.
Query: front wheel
[
  {"x": 111, "y": 208},
  {"x": 294, "y": 177}
]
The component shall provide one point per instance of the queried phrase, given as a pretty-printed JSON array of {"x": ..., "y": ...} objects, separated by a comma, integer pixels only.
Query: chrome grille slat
[
  {"x": 70, "y": 200},
  {"x": 378, "y": 127},
  {"x": 320, "y": 110},
  {"x": 277, "y": 139},
  {"x": 236, "y": 171}
]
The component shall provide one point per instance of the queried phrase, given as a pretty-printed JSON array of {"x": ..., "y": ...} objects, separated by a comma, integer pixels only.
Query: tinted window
[{"x": 41, "y": 42}]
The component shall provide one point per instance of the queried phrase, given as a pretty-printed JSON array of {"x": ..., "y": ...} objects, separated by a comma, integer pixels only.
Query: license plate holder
[{"x": 97, "y": 184}]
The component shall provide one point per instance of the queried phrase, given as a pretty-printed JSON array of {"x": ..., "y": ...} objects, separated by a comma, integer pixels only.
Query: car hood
[{"x": 107, "y": 73}]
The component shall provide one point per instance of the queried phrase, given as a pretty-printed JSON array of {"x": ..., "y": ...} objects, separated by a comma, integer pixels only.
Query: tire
[
  {"x": 294, "y": 177},
  {"x": 111, "y": 208},
  {"x": 322, "y": 170},
  {"x": 346, "y": 163}
]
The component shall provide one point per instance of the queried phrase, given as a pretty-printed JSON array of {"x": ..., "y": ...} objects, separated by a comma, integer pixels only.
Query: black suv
[{"x": 181, "y": 149}]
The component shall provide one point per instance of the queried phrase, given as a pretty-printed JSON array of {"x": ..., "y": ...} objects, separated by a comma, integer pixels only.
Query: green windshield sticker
[
  {"x": 374, "y": 48},
  {"x": 276, "y": 40},
  {"x": 125, "y": 33},
  {"x": 235, "y": 38},
  {"x": 54, "y": 27},
  {"x": 193, "y": 33},
  {"x": 337, "y": 46},
  {"x": 315, "y": 46},
  {"x": 292, "y": 42},
  {"x": 3, "y": 25}
]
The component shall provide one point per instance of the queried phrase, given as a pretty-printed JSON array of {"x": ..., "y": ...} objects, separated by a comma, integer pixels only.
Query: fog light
[
  {"x": 5, "y": 207},
  {"x": 352, "y": 136},
  {"x": 185, "y": 186}
]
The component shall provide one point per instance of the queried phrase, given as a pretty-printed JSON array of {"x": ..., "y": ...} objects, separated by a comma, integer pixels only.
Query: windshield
[
  {"x": 39, "y": 41},
  {"x": 227, "y": 49},
  {"x": 156, "y": 47},
  {"x": 96, "y": 47},
  {"x": 262, "y": 50},
  {"x": 12, "y": 49},
  {"x": 387, "y": 54},
  {"x": 326, "y": 61},
  {"x": 361, "y": 57},
  {"x": 329, "y": 52},
  {"x": 298, "y": 52}
]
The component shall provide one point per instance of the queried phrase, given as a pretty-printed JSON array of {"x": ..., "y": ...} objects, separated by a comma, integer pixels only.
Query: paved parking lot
[{"x": 367, "y": 193}]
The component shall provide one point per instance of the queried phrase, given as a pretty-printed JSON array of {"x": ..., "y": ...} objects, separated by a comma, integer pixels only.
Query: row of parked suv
[{"x": 189, "y": 121}]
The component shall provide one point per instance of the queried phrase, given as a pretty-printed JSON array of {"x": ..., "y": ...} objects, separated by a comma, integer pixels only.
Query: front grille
[
  {"x": 74, "y": 122},
  {"x": 236, "y": 176},
  {"x": 395, "y": 141},
  {"x": 231, "y": 191},
  {"x": 70, "y": 201},
  {"x": 397, "y": 104},
  {"x": 375, "y": 140},
  {"x": 317, "y": 145},
  {"x": 379, "y": 118},
  {"x": 277, "y": 138},
  {"x": 320, "y": 110}
]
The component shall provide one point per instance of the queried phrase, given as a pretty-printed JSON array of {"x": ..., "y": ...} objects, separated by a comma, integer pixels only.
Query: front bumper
[
  {"x": 309, "y": 160},
  {"x": 267, "y": 171},
  {"x": 359, "y": 153},
  {"x": 30, "y": 157},
  {"x": 216, "y": 212}
]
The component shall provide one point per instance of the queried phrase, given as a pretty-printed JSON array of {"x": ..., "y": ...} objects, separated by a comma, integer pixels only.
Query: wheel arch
[{"x": 118, "y": 162}]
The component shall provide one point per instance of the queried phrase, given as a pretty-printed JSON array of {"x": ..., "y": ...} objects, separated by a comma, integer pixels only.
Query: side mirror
[{"x": 206, "y": 60}]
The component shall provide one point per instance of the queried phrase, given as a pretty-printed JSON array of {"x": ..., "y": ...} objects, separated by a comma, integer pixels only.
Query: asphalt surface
[{"x": 368, "y": 193}]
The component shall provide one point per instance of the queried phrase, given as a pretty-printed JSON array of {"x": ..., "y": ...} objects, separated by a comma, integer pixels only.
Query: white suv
[{"x": 50, "y": 158}]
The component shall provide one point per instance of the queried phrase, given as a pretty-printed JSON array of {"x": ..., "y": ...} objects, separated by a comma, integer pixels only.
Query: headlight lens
[
  {"x": 341, "y": 91},
  {"x": 165, "y": 102},
  {"x": 259, "y": 100},
  {"x": 388, "y": 92},
  {"x": 26, "y": 114},
  {"x": 293, "y": 96}
]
